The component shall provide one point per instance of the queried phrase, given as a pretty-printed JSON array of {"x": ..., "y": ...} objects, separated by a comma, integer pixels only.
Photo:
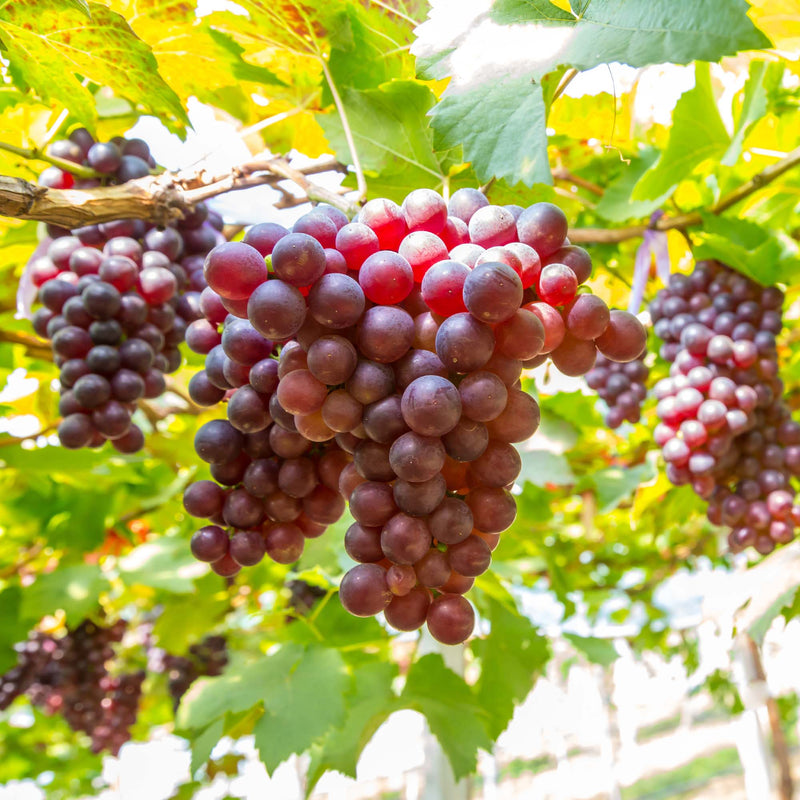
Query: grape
[
  {"x": 247, "y": 548},
  {"x": 386, "y": 277},
  {"x": 248, "y": 411},
  {"x": 471, "y": 557},
  {"x": 300, "y": 392},
  {"x": 492, "y": 226},
  {"x": 521, "y": 336},
  {"x": 409, "y": 612},
  {"x": 443, "y": 286},
  {"x": 466, "y": 441},
  {"x": 298, "y": 259},
  {"x": 498, "y": 466},
  {"x": 483, "y": 396},
  {"x": 332, "y": 359},
  {"x": 543, "y": 226},
  {"x": 463, "y": 343},
  {"x": 431, "y": 405},
  {"x": 203, "y": 499},
  {"x": 264, "y": 236},
  {"x": 371, "y": 459},
  {"x": 519, "y": 419},
  {"x": 226, "y": 567},
  {"x": 493, "y": 509},
  {"x": 465, "y": 202},
  {"x": 276, "y": 310},
  {"x": 422, "y": 250},
  {"x": 318, "y": 226},
  {"x": 356, "y": 242},
  {"x": 383, "y": 420},
  {"x": 405, "y": 539},
  {"x": 433, "y": 569},
  {"x": 91, "y": 390},
  {"x": 419, "y": 499},
  {"x": 363, "y": 590},
  {"x": 492, "y": 292},
  {"x": 218, "y": 442},
  {"x": 574, "y": 356},
  {"x": 209, "y": 544},
  {"x": 336, "y": 301},
  {"x": 450, "y": 619},
  {"x": 451, "y": 522},
  {"x": 586, "y": 317},
  {"x": 624, "y": 338},
  {"x": 424, "y": 210},
  {"x": 386, "y": 219},
  {"x": 557, "y": 285},
  {"x": 385, "y": 333},
  {"x": 372, "y": 503},
  {"x": 341, "y": 412},
  {"x": 75, "y": 431},
  {"x": 416, "y": 458},
  {"x": 363, "y": 544},
  {"x": 454, "y": 233}
]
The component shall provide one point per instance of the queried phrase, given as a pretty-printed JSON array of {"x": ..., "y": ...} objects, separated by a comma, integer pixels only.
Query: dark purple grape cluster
[
  {"x": 208, "y": 657},
  {"x": 69, "y": 676},
  {"x": 379, "y": 361},
  {"x": 724, "y": 428},
  {"x": 116, "y": 299},
  {"x": 623, "y": 387}
]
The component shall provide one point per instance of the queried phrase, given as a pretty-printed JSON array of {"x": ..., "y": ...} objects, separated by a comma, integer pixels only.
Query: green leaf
[
  {"x": 166, "y": 563},
  {"x": 762, "y": 254},
  {"x": 617, "y": 205},
  {"x": 543, "y": 468},
  {"x": 205, "y": 743},
  {"x": 501, "y": 125},
  {"x": 598, "y": 651},
  {"x": 390, "y": 129},
  {"x": 697, "y": 134},
  {"x": 368, "y": 704},
  {"x": 15, "y": 627},
  {"x": 435, "y": 691},
  {"x": 75, "y": 589},
  {"x": 241, "y": 69},
  {"x": 513, "y": 649},
  {"x": 615, "y": 484},
  {"x": 764, "y": 77},
  {"x": 239, "y": 688},
  {"x": 50, "y": 46},
  {"x": 301, "y": 705},
  {"x": 498, "y": 62}
]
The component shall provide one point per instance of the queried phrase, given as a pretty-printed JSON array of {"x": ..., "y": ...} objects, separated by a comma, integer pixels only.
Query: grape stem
[
  {"x": 161, "y": 198},
  {"x": 35, "y": 347},
  {"x": 35, "y": 154},
  {"x": 693, "y": 218}
]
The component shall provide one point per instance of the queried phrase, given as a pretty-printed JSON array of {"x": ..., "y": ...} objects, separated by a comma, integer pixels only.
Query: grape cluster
[
  {"x": 724, "y": 428},
  {"x": 208, "y": 657},
  {"x": 379, "y": 361},
  {"x": 623, "y": 387},
  {"x": 116, "y": 299},
  {"x": 69, "y": 676}
]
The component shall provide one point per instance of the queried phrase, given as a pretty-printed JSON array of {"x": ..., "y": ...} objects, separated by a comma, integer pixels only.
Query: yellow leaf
[{"x": 780, "y": 20}]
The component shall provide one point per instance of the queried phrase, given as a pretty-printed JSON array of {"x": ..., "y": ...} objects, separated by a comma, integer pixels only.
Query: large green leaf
[
  {"x": 598, "y": 651},
  {"x": 368, "y": 704},
  {"x": 166, "y": 563},
  {"x": 301, "y": 705},
  {"x": 51, "y": 46},
  {"x": 436, "y": 691},
  {"x": 74, "y": 589},
  {"x": 497, "y": 61},
  {"x": 697, "y": 134},
  {"x": 514, "y": 650},
  {"x": 617, "y": 205}
]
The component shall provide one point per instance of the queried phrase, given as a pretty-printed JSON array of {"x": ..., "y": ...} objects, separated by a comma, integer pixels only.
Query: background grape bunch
[
  {"x": 69, "y": 676},
  {"x": 116, "y": 299},
  {"x": 622, "y": 386},
  {"x": 378, "y": 361},
  {"x": 724, "y": 428}
]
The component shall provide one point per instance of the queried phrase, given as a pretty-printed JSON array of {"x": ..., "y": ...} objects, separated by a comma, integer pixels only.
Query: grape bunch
[
  {"x": 378, "y": 361},
  {"x": 69, "y": 676},
  {"x": 623, "y": 387},
  {"x": 207, "y": 657},
  {"x": 116, "y": 299},
  {"x": 723, "y": 426}
]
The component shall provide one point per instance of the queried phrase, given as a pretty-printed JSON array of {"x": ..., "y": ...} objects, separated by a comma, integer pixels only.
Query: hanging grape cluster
[
  {"x": 209, "y": 657},
  {"x": 116, "y": 299},
  {"x": 622, "y": 386},
  {"x": 724, "y": 428},
  {"x": 69, "y": 676},
  {"x": 378, "y": 361}
]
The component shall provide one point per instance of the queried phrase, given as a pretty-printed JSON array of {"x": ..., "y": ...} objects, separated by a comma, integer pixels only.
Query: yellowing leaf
[{"x": 780, "y": 20}]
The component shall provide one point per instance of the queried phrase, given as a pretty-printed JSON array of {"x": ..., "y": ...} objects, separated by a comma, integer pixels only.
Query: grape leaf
[
  {"x": 598, "y": 651},
  {"x": 75, "y": 589},
  {"x": 697, "y": 134},
  {"x": 301, "y": 705},
  {"x": 239, "y": 688},
  {"x": 368, "y": 704},
  {"x": 513, "y": 649},
  {"x": 15, "y": 627},
  {"x": 614, "y": 484},
  {"x": 166, "y": 563},
  {"x": 434, "y": 690},
  {"x": 543, "y": 468},
  {"x": 205, "y": 743},
  {"x": 763, "y": 78},
  {"x": 50, "y": 46},
  {"x": 390, "y": 129},
  {"x": 497, "y": 60},
  {"x": 616, "y": 204}
]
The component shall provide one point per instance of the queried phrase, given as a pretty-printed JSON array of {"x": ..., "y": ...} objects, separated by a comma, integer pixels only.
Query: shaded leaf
[
  {"x": 49, "y": 46},
  {"x": 598, "y": 651},
  {"x": 435, "y": 691},
  {"x": 617, "y": 204},
  {"x": 75, "y": 589},
  {"x": 697, "y": 134}
]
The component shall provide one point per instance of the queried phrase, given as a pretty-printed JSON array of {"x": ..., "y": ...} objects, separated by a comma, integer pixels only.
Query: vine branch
[
  {"x": 160, "y": 198},
  {"x": 36, "y": 154}
]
